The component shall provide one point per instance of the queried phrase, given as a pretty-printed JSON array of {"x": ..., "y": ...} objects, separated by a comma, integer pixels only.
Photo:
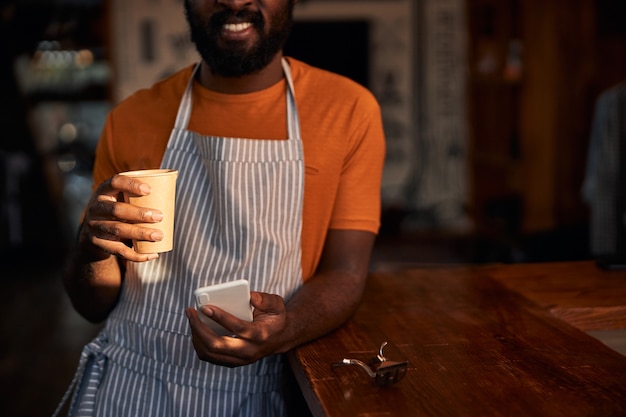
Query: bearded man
[{"x": 280, "y": 165}]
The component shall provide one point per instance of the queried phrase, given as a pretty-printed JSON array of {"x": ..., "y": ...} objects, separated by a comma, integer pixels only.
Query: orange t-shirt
[{"x": 340, "y": 125}]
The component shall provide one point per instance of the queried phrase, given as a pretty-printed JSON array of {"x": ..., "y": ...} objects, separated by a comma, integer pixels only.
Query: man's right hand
[{"x": 110, "y": 223}]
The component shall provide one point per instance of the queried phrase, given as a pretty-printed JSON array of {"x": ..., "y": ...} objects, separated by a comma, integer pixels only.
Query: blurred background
[{"x": 494, "y": 113}]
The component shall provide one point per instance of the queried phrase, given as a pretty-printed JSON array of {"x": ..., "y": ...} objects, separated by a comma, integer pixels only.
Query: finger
[
  {"x": 107, "y": 189},
  {"x": 219, "y": 350},
  {"x": 267, "y": 303},
  {"x": 210, "y": 339},
  {"x": 118, "y": 231},
  {"x": 197, "y": 327},
  {"x": 130, "y": 185},
  {"x": 121, "y": 250},
  {"x": 236, "y": 326},
  {"x": 105, "y": 208},
  {"x": 119, "y": 184},
  {"x": 111, "y": 237}
]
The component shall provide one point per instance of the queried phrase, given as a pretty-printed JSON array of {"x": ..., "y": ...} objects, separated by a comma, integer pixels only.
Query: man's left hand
[{"x": 253, "y": 340}]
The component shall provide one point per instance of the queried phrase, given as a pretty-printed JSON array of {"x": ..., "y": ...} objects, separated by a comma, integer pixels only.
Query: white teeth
[{"x": 237, "y": 27}]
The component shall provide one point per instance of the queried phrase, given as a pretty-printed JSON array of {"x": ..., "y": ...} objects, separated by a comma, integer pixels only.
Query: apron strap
[
  {"x": 184, "y": 110},
  {"x": 293, "y": 121}
]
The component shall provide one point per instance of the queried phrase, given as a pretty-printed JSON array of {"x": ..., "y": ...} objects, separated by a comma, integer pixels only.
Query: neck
[{"x": 250, "y": 83}]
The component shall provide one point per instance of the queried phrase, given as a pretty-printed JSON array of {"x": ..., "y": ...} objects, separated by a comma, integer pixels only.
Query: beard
[{"x": 234, "y": 59}]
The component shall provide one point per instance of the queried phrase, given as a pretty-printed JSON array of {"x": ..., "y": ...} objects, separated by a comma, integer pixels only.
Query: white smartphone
[{"x": 233, "y": 297}]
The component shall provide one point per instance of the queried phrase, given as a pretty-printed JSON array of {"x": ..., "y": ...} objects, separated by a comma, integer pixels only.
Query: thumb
[{"x": 256, "y": 299}]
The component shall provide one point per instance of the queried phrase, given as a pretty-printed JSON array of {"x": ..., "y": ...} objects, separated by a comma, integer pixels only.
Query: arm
[
  {"x": 93, "y": 277},
  {"x": 331, "y": 296},
  {"x": 323, "y": 303}
]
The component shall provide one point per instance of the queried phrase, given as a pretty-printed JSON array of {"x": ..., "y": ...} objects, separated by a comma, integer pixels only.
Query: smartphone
[{"x": 233, "y": 297}]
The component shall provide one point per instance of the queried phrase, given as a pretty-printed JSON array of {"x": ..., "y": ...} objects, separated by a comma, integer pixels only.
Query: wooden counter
[
  {"x": 502, "y": 340},
  {"x": 579, "y": 293}
]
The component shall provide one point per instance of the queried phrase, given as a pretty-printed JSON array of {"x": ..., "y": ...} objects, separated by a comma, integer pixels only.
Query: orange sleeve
[
  {"x": 344, "y": 144},
  {"x": 127, "y": 146},
  {"x": 357, "y": 205},
  {"x": 136, "y": 131}
]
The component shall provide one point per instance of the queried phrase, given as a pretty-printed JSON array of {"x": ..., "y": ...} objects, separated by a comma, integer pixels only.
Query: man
[{"x": 279, "y": 181}]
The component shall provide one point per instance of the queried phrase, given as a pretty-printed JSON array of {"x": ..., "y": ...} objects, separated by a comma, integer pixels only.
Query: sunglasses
[{"x": 383, "y": 371}]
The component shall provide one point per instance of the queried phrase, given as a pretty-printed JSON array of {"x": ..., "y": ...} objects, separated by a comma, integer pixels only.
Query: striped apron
[{"x": 239, "y": 215}]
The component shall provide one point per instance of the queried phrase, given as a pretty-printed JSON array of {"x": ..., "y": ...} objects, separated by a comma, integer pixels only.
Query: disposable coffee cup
[{"x": 162, "y": 198}]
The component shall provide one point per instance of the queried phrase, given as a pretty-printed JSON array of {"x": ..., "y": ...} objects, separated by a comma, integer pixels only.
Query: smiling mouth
[{"x": 236, "y": 27}]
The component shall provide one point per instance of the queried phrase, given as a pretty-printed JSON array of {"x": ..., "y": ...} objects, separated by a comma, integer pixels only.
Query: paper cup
[{"x": 162, "y": 198}]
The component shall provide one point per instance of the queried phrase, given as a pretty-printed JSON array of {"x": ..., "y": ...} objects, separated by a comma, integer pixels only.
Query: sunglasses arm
[{"x": 359, "y": 363}]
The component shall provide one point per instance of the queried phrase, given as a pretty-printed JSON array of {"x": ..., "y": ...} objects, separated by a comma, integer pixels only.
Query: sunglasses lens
[{"x": 389, "y": 373}]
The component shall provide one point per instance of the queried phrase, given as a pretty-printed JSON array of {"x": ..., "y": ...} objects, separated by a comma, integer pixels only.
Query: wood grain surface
[
  {"x": 475, "y": 348},
  {"x": 579, "y": 293}
]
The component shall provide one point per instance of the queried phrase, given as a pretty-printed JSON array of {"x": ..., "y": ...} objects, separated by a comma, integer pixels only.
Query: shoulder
[
  {"x": 137, "y": 129},
  {"x": 313, "y": 83},
  {"x": 162, "y": 99}
]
